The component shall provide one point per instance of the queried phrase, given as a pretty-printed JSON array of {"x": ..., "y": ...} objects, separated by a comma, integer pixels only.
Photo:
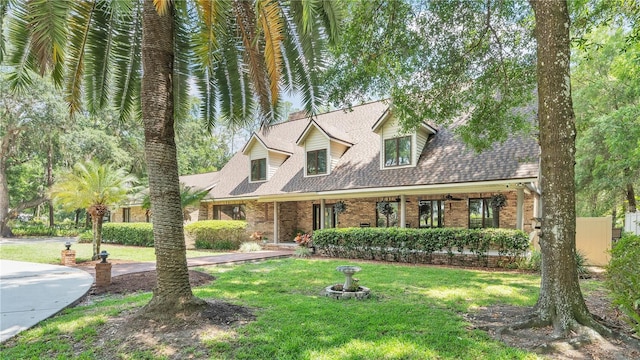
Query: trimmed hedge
[
  {"x": 135, "y": 234},
  {"x": 217, "y": 234},
  {"x": 418, "y": 245},
  {"x": 623, "y": 277}
]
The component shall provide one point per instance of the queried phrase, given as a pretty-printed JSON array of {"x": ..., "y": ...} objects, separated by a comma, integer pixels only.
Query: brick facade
[
  {"x": 298, "y": 216},
  {"x": 136, "y": 214}
]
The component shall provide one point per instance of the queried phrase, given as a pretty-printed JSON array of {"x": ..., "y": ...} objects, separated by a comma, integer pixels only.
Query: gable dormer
[
  {"x": 323, "y": 148},
  {"x": 400, "y": 149},
  {"x": 264, "y": 160}
]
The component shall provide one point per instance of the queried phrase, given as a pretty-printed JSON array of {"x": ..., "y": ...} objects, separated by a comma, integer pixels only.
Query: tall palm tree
[
  {"x": 95, "y": 187},
  {"x": 242, "y": 53}
]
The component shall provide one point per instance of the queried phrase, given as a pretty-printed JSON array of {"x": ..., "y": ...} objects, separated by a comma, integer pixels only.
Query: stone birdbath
[
  {"x": 348, "y": 271},
  {"x": 349, "y": 289}
]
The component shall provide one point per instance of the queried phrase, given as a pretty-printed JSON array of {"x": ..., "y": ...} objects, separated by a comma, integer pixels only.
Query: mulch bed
[{"x": 144, "y": 282}]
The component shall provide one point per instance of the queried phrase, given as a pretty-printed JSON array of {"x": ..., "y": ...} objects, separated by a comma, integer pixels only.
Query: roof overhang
[{"x": 467, "y": 187}]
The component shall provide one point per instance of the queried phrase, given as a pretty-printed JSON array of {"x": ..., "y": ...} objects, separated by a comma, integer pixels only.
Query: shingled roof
[{"x": 444, "y": 160}]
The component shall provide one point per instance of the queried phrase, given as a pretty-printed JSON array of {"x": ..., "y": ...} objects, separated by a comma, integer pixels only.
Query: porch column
[
  {"x": 403, "y": 211},
  {"x": 322, "y": 203},
  {"x": 520, "y": 209},
  {"x": 275, "y": 222}
]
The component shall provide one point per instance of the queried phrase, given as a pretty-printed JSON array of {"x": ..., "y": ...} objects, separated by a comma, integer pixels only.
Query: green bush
[
  {"x": 217, "y": 234},
  {"x": 418, "y": 245},
  {"x": 534, "y": 262},
  {"x": 85, "y": 237},
  {"x": 135, "y": 234},
  {"x": 39, "y": 229},
  {"x": 623, "y": 279}
]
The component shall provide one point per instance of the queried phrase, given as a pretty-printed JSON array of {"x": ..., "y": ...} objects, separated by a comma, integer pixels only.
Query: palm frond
[
  {"x": 20, "y": 59},
  {"x": 162, "y": 6},
  {"x": 253, "y": 54},
  {"x": 79, "y": 24},
  {"x": 211, "y": 17},
  {"x": 271, "y": 23},
  {"x": 48, "y": 23},
  {"x": 207, "y": 86},
  {"x": 233, "y": 84},
  {"x": 332, "y": 15},
  {"x": 100, "y": 53},
  {"x": 4, "y": 5},
  {"x": 183, "y": 57},
  {"x": 127, "y": 50}
]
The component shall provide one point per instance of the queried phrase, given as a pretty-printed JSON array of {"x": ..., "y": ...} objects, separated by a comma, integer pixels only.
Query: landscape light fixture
[{"x": 103, "y": 255}]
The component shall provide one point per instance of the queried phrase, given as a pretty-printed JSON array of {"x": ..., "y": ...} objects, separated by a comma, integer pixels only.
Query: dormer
[
  {"x": 400, "y": 149},
  {"x": 323, "y": 147},
  {"x": 264, "y": 159}
]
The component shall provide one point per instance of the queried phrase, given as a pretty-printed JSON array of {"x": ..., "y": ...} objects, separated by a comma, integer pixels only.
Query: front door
[{"x": 330, "y": 217}]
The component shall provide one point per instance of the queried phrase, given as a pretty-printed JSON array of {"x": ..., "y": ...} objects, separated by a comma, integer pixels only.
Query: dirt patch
[
  {"x": 185, "y": 337},
  {"x": 540, "y": 340},
  {"x": 143, "y": 282}
]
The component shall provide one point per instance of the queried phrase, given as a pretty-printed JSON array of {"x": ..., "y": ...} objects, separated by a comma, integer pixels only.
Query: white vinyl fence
[{"x": 632, "y": 222}]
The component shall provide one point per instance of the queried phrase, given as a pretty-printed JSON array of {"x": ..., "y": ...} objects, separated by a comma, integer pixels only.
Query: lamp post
[
  {"x": 103, "y": 255},
  {"x": 67, "y": 244}
]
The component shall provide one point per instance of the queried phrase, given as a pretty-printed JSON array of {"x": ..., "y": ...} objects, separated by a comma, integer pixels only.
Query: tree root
[
  {"x": 587, "y": 330},
  {"x": 167, "y": 311}
]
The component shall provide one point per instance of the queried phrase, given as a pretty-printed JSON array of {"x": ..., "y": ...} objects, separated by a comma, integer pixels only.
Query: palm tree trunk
[
  {"x": 173, "y": 291},
  {"x": 94, "y": 228}
]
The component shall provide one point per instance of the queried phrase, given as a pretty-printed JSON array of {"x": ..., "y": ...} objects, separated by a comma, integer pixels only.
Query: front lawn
[
  {"x": 415, "y": 313},
  {"x": 49, "y": 253}
]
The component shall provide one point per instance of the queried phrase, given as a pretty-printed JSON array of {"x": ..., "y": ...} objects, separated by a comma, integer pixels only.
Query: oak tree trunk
[
  {"x": 560, "y": 302},
  {"x": 5, "y": 231},
  {"x": 173, "y": 291},
  {"x": 631, "y": 199}
]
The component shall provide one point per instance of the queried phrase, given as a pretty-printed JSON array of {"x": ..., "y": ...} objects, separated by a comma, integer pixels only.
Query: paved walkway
[
  {"x": 30, "y": 293},
  {"x": 233, "y": 258}
]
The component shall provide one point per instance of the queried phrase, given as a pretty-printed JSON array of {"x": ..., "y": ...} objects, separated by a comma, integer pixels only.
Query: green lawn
[
  {"x": 415, "y": 313},
  {"x": 49, "y": 253}
]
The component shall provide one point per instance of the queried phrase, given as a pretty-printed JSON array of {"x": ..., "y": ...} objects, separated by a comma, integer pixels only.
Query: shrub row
[
  {"x": 44, "y": 230},
  {"x": 623, "y": 279},
  {"x": 217, "y": 234},
  {"x": 135, "y": 234},
  {"x": 418, "y": 245}
]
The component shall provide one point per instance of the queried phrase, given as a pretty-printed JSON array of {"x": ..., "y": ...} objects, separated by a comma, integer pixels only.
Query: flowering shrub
[{"x": 303, "y": 239}]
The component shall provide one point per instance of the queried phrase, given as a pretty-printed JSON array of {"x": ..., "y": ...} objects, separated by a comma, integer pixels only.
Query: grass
[
  {"x": 49, "y": 253},
  {"x": 415, "y": 313}
]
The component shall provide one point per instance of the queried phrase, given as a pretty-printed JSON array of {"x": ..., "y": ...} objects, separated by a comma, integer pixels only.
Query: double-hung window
[
  {"x": 259, "y": 169},
  {"x": 397, "y": 151},
  {"x": 317, "y": 162}
]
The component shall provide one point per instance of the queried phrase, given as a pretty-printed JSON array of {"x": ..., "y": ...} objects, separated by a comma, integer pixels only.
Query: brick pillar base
[
  {"x": 103, "y": 274},
  {"x": 68, "y": 257}
]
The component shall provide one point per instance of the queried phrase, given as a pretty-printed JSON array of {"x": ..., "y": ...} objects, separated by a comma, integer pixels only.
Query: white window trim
[
  {"x": 251, "y": 181},
  {"x": 414, "y": 157},
  {"x": 328, "y": 164}
]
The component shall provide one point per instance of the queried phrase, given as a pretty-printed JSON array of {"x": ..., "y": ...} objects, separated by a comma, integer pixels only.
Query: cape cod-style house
[{"x": 351, "y": 168}]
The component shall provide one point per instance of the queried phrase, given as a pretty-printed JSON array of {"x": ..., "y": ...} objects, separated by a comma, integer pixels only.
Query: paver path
[{"x": 233, "y": 258}]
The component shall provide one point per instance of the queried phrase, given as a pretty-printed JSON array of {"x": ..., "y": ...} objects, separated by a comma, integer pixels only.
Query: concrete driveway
[{"x": 30, "y": 293}]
